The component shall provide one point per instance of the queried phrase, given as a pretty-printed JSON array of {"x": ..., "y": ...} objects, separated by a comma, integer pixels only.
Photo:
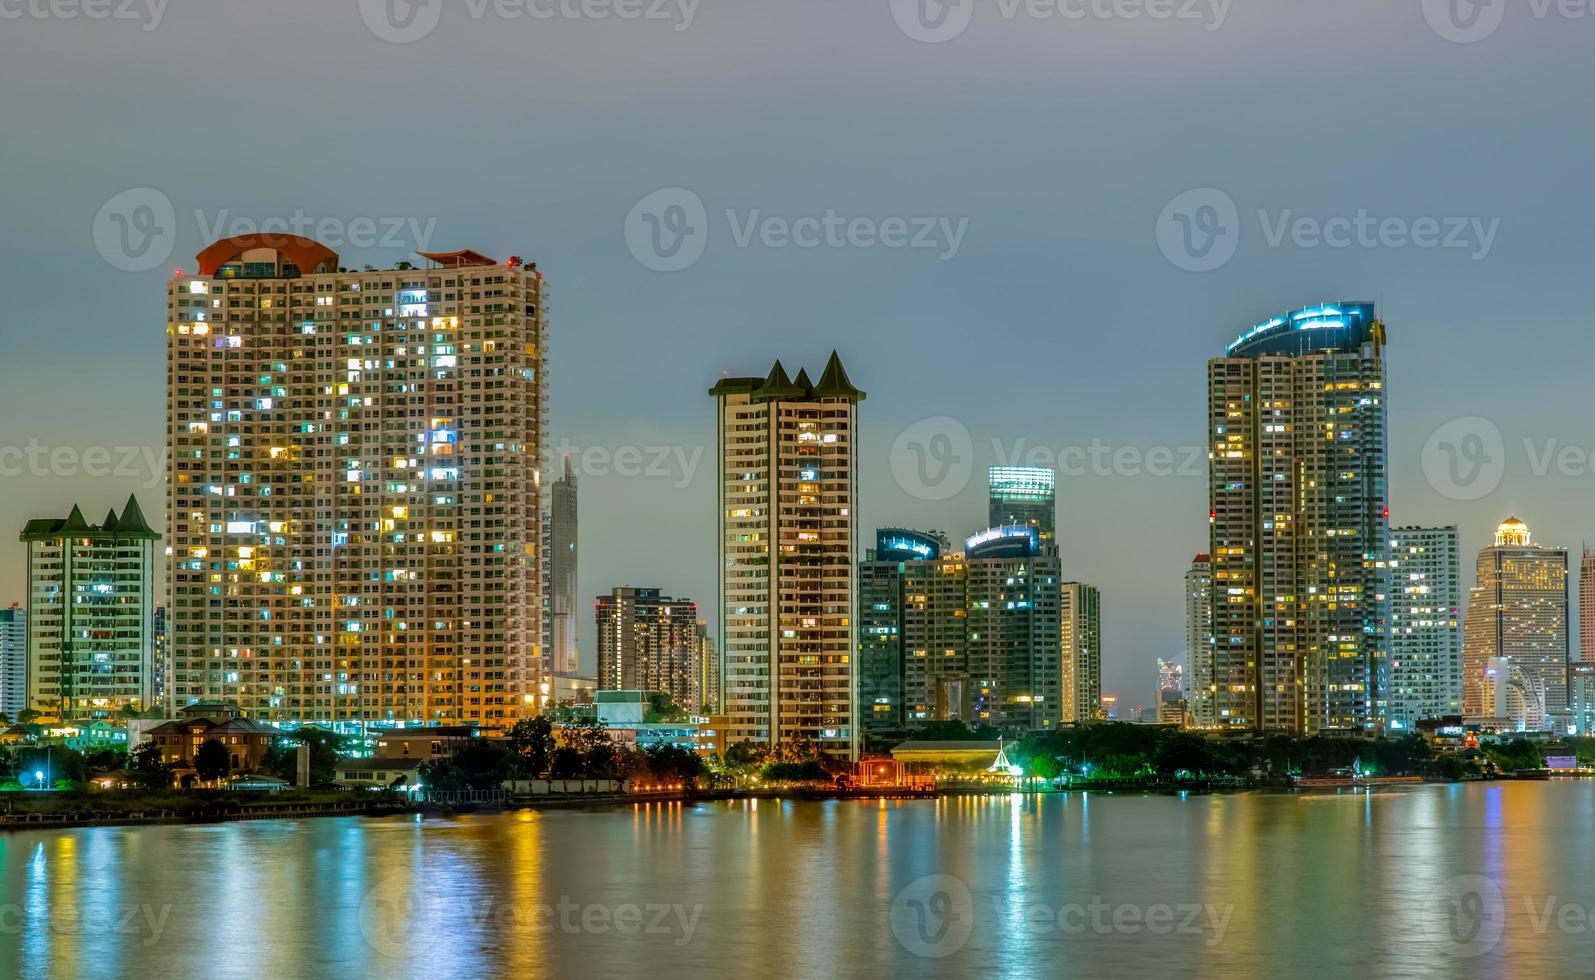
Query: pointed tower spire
[
  {"x": 778, "y": 386},
  {"x": 133, "y": 524},
  {"x": 109, "y": 524},
  {"x": 834, "y": 383},
  {"x": 75, "y": 524}
]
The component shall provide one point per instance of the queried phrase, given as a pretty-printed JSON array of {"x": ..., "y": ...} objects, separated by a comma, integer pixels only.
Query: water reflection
[{"x": 1483, "y": 880}]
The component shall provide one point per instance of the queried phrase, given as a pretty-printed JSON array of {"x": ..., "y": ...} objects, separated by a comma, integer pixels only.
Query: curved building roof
[
  {"x": 305, "y": 254},
  {"x": 1332, "y": 327}
]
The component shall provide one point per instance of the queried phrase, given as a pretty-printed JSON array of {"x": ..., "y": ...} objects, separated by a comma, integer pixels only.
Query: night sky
[{"x": 1053, "y": 305}]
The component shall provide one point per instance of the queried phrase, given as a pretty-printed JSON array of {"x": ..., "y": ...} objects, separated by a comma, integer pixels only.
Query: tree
[
  {"x": 566, "y": 763},
  {"x": 326, "y": 748},
  {"x": 147, "y": 767},
  {"x": 532, "y": 741},
  {"x": 26, "y": 716},
  {"x": 211, "y": 761}
]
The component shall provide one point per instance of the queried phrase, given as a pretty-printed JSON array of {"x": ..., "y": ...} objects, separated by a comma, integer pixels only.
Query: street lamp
[{"x": 38, "y": 779}]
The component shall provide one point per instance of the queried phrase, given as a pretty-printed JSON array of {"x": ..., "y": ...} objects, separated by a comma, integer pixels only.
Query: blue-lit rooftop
[{"x": 1338, "y": 326}]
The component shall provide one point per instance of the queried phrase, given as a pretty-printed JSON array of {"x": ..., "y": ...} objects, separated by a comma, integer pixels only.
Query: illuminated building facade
[
  {"x": 912, "y": 613},
  {"x": 91, "y": 614},
  {"x": 1080, "y": 613},
  {"x": 1199, "y": 640},
  {"x": 13, "y": 661},
  {"x": 1299, "y": 523},
  {"x": 355, "y": 486},
  {"x": 1026, "y": 496},
  {"x": 1016, "y": 655},
  {"x": 707, "y": 668},
  {"x": 1581, "y": 699},
  {"x": 649, "y": 642},
  {"x": 1425, "y": 625},
  {"x": 787, "y": 497},
  {"x": 1515, "y": 635},
  {"x": 559, "y": 581},
  {"x": 1586, "y": 607}
]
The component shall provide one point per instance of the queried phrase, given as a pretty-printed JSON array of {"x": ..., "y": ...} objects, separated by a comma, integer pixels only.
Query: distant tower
[
  {"x": 13, "y": 661},
  {"x": 913, "y": 654},
  {"x": 1026, "y": 496},
  {"x": 1515, "y": 639},
  {"x": 787, "y": 511},
  {"x": 1425, "y": 625},
  {"x": 648, "y": 642},
  {"x": 563, "y": 652},
  {"x": 1586, "y": 607},
  {"x": 707, "y": 668},
  {"x": 1199, "y": 640},
  {"x": 91, "y": 614},
  {"x": 1081, "y": 614}
]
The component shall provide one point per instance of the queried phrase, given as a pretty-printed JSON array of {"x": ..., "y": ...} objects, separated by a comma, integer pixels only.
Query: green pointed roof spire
[
  {"x": 133, "y": 524},
  {"x": 75, "y": 525},
  {"x": 834, "y": 383},
  {"x": 109, "y": 524},
  {"x": 803, "y": 380},
  {"x": 779, "y": 385}
]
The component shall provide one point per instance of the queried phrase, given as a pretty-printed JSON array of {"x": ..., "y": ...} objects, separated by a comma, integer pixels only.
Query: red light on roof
[{"x": 514, "y": 262}]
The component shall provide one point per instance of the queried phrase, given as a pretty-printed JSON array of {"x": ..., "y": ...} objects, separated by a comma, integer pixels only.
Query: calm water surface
[{"x": 1495, "y": 880}]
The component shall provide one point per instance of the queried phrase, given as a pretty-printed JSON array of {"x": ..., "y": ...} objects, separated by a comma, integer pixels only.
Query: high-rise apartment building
[
  {"x": 13, "y": 661},
  {"x": 707, "y": 668},
  {"x": 1425, "y": 594},
  {"x": 1515, "y": 634},
  {"x": 1586, "y": 606},
  {"x": 1081, "y": 614},
  {"x": 355, "y": 485},
  {"x": 1026, "y": 496},
  {"x": 912, "y": 640},
  {"x": 1199, "y": 640},
  {"x": 649, "y": 642},
  {"x": 91, "y": 614},
  {"x": 560, "y": 631},
  {"x": 1018, "y": 663},
  {"x": 1299, "y": 523},
  {"x": 787, "y": 493},
  {"x": 161, "y": 667}
]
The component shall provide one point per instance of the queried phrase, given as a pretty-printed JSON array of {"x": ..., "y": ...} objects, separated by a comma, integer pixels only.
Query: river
[{"x": 1460, "y": 881}]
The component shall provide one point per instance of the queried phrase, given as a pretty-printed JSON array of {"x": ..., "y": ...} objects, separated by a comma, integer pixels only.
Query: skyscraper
[
  {"x": 788, "y": 489},
  {"x": 912, "y": 643},
  {"x": 91, "y": 613},
  {"x": 13, "y": 661},
  {"x": 1017, "y": 659},
  {"x": 1586, "y": 607},
  {"x": 1425, "y": 625},
  {"x": 708, "y": 670},
  {"x": 1026, "y": 496},
  {"x": 1515, "y": 638},
  {"x": 649, "y": 642},
  {"x": 1199, "y": 640},
  {"x": 1299, "y": 522},
  {"x": 355, "y": 485},
  {"x": 560, "y": 634},
  {"x": 1081, "y": 615}
]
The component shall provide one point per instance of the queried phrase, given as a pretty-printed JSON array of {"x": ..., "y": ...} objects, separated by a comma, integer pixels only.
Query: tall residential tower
[
  {"x": 1425, "y": 625},
  {"x": 786, "y": 509},
  {"x": 560, "y": 634},
  {"x": 1515, "y": 638},
  {"x": 354, "y": 490},
  {"x": 1297, "y": 492}
]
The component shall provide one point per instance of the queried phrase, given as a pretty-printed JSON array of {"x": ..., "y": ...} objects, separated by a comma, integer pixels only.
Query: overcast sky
[{"x": 1012, "y": 248}]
